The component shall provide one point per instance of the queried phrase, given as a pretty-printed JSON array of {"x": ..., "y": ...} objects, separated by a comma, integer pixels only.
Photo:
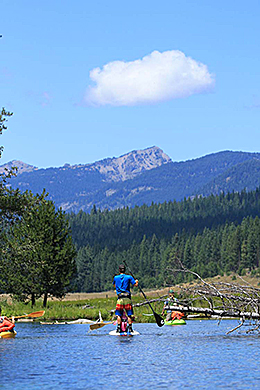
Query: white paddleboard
[{"x": 115, "y": 333}]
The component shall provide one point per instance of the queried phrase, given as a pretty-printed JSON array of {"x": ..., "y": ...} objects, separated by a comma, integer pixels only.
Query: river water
[{"x": 198, "y": 355}]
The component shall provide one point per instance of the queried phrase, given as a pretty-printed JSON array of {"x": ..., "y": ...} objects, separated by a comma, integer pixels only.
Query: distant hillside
[
  {"x": 141, "y": 177},
  {"x": 80, "y": 186},
  {"x": 21, "y": 166},
  {"x": 245, "y": 175}
]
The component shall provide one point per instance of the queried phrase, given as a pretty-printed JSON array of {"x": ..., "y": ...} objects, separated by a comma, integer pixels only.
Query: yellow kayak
[{"x": 7, "y": 335}]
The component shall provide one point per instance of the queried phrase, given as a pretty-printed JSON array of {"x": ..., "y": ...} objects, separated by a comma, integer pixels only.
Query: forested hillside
[
  {"x": 244, "y": 175},
  {"x": 141, "y": 177},
  {"x": 209, "y": 235},
  {"x": 177, "y": 180}
]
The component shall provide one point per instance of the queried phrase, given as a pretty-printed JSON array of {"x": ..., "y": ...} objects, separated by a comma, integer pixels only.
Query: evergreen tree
[
  {"x": 84, "y": 263},
  {"x": 252, "y": 242},
  {"x": 243, "y": 262},
  {"x": 40, "y": 246}
]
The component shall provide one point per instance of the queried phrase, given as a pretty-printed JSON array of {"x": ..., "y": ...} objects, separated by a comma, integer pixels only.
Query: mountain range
[{"x": 139, "y": 177}]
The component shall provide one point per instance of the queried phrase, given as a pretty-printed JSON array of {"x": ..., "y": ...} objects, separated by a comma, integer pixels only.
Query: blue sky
[{"x": 90, "y": 80}]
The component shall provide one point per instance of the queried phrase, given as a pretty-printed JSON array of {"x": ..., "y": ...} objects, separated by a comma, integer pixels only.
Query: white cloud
[{"x": 154, "y": 78}]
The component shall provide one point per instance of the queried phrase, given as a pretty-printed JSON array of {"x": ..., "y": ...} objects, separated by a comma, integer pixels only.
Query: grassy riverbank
[
  {"x": 88, "y": 305},
  {"x": 75, "y": 309}
]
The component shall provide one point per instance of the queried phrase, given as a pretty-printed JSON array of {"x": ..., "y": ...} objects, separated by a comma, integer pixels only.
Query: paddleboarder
[{"x": 122, "y": 284}]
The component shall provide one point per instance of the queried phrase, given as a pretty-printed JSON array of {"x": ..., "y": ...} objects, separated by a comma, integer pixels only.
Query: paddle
[
  {"x": 99, "y": 325},
  {"x": 159, "y": 320},
  {"x": 35, "y": 314}
]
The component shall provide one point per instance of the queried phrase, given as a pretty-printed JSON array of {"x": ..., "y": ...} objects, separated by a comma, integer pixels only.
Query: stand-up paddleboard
[{"x": 115, "y": 333}]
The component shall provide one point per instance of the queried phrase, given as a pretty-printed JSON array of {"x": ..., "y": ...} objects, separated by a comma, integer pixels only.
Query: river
[{"x": 198, "y": 355}]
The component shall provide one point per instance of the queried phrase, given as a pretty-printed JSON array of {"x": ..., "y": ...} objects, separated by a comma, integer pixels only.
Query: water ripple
[{"x": 196, "y": 356}]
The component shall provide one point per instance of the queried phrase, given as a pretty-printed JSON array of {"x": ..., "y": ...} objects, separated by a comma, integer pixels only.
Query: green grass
[{"x": 72, "y": 310}]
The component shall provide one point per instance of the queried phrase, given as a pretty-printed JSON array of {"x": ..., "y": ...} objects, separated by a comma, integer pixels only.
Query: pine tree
[
  {"x": 40, "y": 246},
  {"x": 84, "y": 263}
]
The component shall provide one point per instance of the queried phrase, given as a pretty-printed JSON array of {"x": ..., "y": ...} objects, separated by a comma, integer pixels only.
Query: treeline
[
  {"x": 122, "y": 227},
  {"x": 209, "y": 235}
]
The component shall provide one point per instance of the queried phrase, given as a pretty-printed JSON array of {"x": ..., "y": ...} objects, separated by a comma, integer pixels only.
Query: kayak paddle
[
  {"x": 35, "y": 314},
  {"x": 99, "y": 325},
  {"x": 159, "y": 320}
]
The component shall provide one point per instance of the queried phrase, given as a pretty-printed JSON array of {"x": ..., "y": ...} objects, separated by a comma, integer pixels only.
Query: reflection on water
[{"x": 196, "y": 356}]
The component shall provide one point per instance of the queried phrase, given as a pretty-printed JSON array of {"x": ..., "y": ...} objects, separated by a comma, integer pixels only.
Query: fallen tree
[
  {"x": 232, "y": 300},
  {"x": 219, "y": 299}
]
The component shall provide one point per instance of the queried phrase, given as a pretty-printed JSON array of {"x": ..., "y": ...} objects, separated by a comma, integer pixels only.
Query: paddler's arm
[
  {"x": 136, "y": 283},
  {"x": 163, "y": 310},
  {"x": 10, "y": 319},
  {"x": 114, "y": 285}
]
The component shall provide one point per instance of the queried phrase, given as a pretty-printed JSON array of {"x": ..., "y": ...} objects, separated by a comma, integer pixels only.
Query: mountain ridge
[
  {"x": 119, "y": 168},
  {"x": 142, "y": 177}
]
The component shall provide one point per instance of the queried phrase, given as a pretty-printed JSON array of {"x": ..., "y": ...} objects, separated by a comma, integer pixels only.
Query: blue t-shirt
[{"x": 123, "y": 283}]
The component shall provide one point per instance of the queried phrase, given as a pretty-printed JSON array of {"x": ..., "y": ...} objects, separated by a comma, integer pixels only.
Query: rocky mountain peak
[
  {"x": 113, "y": 169},
  {"x": 131, "y": 164}
]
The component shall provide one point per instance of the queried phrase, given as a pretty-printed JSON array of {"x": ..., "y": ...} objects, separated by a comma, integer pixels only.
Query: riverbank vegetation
[
  {"x": 87, "y": 306},
  {"x": 83, "y": 309}
]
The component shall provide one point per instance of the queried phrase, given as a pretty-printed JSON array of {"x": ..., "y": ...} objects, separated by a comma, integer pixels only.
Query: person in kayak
[
  {"x": 171, "y": 300},
  {"x": 122, "y": 284},
  {"x": 5, "y": 323}
]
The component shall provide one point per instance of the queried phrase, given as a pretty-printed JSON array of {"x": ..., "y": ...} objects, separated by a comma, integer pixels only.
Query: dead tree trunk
[
  {"x": 232, "y": 300},
  {"x": 235, "y": 300}
]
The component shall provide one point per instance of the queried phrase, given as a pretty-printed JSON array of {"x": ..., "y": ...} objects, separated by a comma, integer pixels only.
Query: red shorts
[{"x": 124, "y": 304}]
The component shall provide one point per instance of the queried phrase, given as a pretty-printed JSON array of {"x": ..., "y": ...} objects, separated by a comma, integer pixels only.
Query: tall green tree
[
  {"x": 84, "y": 269},
  {"x": 40, "y": 246}
]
